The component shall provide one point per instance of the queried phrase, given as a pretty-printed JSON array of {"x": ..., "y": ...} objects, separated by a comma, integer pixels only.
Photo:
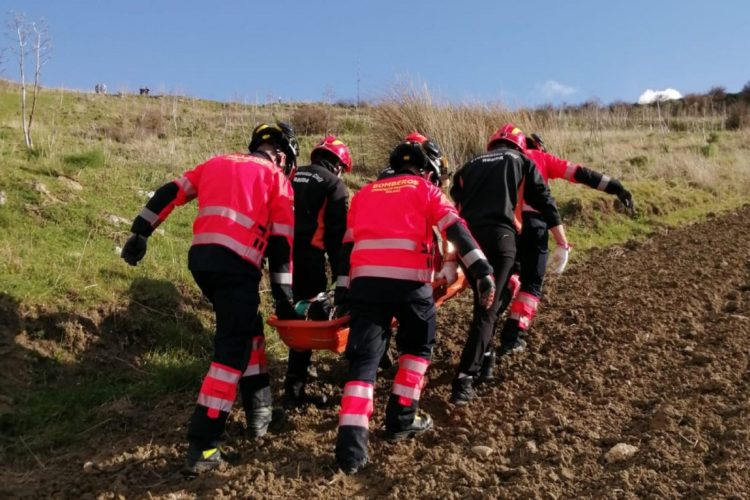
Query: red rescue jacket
[{"x": 390, "y": 224}]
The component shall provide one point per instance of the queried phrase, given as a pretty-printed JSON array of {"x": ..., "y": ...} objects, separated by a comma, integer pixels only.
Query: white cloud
[
  {"x": 552, "y": 89},
  {"x": 650, "y": 96}
]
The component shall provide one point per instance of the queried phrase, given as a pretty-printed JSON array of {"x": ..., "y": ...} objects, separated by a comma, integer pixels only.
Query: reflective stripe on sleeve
[
  {"x": 570, "y": 171},
  {"x": 472, "y": 257},
  {"x": 186, "y": 186},
  {"x": 281, "y": 278},
  {"x": 603, "y": 183},
  {"x": 150, "y": 216},
  {"x": 385, "y": 244},
  {"x": 399, "y": 273},
  {"x": 447, "y": 220},
  {"x": 231, "y": 214}
]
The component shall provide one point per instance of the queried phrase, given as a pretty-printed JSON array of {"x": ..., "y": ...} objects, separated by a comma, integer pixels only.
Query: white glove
[
  {"x": 559, "y": 259},
  {"x": 449, "y": 272}
]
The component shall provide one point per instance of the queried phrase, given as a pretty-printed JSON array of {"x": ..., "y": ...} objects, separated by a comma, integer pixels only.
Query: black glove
[
  {"x": 134, "y": 249},
  {"x": 341, "y": 301},
  {"x": 626, "y": 199},
  {"x": 285, "y": 310},
  {"x": 486, "y": 288}
]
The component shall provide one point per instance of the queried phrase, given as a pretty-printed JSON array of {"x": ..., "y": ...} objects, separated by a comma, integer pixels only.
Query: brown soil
[{"x": 646, "y": 344}]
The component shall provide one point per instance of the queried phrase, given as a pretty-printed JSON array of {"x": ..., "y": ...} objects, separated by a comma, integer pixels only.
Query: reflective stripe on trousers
[
  {"x": 257, "y": 363},
  {"x": 219, "y": 389},
  {"x": 523, "y": 309},
  {"x": 356, "y": 404},
  {"x": 409, "y": 379}
]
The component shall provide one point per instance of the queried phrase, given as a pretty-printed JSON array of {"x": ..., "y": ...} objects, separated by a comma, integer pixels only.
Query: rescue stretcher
[{"x": 304, "y": 335}]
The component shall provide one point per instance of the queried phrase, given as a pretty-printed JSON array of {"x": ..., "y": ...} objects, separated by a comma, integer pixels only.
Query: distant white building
[{"x": 650, "y": 96}]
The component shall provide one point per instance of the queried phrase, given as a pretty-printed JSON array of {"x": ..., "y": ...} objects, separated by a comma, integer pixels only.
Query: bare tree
[{"x": 34, "y": 43}]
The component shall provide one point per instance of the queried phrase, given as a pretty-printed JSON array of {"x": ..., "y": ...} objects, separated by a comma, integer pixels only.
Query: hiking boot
[
  {"x": 200, "y": 461},
  {"x": 350, "y": 467},
  {"x": 512, "y": 347},
  {"x": 420, "y": 424},
  {"x": 258, "y": 420},
  {"x": 463, "y": 391},
  {"x": 487, "y": 372}
]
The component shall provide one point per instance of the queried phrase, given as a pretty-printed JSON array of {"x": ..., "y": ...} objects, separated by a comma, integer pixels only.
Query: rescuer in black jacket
[
  {"x": 320, "y": 207},
  {"x": 489, "y": 192}
]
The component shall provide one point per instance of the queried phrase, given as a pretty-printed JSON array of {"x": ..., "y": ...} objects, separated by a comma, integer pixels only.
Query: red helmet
[
  {"x": 337, "y": 148},
  {"x": 415, "y": 137},
  {"x": 508, "y": 133}
]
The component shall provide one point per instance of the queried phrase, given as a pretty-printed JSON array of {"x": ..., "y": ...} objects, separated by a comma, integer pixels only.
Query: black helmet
[
  {"x": 435, "y": 161},
  {"x": 280, "y": 135},
  {"x": 409, "y": 153},
  {"x": 534, "y": 141}
]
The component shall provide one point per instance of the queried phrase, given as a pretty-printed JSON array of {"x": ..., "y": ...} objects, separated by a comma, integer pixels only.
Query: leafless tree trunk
[{"x": 34, "y": 41}]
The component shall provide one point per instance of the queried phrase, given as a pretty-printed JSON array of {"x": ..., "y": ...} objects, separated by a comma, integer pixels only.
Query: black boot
[
  {"x": 487, "y": 373},
  {"x": 463, "y": 390},
  {"x": 204, "y": 460},
  {"x": 420, "y": 424},
  {"x": 512, "y": 346}
]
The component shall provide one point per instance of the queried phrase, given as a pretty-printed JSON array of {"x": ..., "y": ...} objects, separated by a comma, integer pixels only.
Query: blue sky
[{"x": 519, "y": 53}]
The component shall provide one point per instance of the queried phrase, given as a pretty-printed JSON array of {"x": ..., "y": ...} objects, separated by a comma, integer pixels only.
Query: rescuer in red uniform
[
  {"x": 532, "y": 242},
  {"x": 385, "y": 272},
  {"x": 244, "y": 213},
  {"x": 488, "y": 191},
  {"x": 321, "y": 201}
]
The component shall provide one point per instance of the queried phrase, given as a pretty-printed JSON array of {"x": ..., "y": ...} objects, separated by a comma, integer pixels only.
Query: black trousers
[
  {"x": 235, "y": 300},
  {"x": 369, "y": 334},
  {"x": 533, "y": 250},
  {"x": 308, "y": 280},
  {"x": 499, "y": 245}
]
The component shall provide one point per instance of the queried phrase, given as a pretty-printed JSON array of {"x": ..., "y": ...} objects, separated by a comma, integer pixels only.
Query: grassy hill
[{"x": 81, "y": 329}]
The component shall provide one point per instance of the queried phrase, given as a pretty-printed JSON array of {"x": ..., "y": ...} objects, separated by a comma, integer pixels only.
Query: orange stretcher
[{"x": 304, "y": 335}]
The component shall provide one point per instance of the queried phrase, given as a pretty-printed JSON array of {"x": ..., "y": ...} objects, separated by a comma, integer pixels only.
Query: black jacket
[
  {"x": 321, "y": 201},
  {"x": 486, "y": 190}
]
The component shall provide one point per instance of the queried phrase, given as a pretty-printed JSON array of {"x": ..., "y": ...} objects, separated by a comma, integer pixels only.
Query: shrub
[
  {"x": 739, "y": 117},
  {"x": 152, "y": 122},
  {"x": 311, "y": 120}
]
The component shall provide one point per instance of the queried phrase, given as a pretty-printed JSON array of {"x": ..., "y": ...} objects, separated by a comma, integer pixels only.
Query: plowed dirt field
[{"x": 647, "y": 344}]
